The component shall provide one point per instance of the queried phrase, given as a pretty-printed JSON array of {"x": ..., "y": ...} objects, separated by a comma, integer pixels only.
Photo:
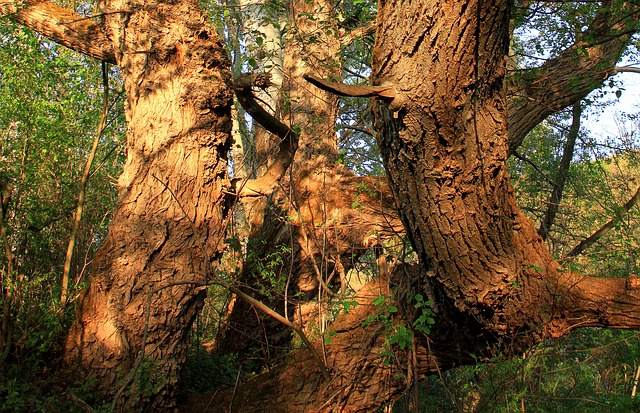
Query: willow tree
[
  {"x": 446, "y": 123},
  {"x": 166, "y": 234}
]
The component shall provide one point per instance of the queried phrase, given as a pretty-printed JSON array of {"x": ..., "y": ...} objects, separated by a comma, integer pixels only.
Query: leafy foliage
[{"x": 48, "y": 116}]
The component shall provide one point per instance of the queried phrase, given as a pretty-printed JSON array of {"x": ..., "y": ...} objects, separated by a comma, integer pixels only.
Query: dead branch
[{"x": 341, "y": 89}]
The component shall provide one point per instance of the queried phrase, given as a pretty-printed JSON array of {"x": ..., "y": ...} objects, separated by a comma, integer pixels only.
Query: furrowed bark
[
  {"x": 496, "y": 289},
  {"x": 445, "y": 149},
  {"x": 63, "y": 26},
  {"x": 169, "y": 224}
]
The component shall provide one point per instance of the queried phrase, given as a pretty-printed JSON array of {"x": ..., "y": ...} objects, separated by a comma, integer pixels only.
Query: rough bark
[
  {"x": 445, "y": 141},
  {"x": 169, "y": 224},
  {"x": 312, "y": 213},
  {"x": 63, "y": 26},
  {"x": 296, "y": 386},
  {"x": 495, "y": 286},
  {"x": 445, "y": 147}
]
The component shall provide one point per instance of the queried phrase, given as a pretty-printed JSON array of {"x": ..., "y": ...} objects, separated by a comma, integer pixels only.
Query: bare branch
[
  {"x": 561, "y": 175},
  {"x": 627, "y": 69},
  {"x": 586, "y": 243},
  {"x": 341, "y": 89}
]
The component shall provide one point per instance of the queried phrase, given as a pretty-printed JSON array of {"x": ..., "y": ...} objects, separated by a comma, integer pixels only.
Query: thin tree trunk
[
  {"x": 561, "y": 175},
  {"x": 77, "y": 217}
]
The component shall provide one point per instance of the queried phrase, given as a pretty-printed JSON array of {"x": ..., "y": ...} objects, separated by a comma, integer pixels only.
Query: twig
[
  {"x": 83, "y": 191},
  {"x": 235, "y": 388}
]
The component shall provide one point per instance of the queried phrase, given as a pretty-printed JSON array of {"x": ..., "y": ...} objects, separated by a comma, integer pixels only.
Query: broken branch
[
  {"x": 288, "y": 138},
  {"x": 341, "y": 89}
]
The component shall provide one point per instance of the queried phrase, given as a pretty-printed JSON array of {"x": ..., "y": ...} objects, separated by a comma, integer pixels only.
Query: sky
[{"x": 603, "y": 123}]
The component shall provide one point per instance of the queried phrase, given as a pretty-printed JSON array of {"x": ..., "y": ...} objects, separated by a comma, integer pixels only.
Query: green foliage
[
  {"x": 424, "y": 319},
  {"x": 348, "y": 305},
  {"x": 205, "y": 371},
  {"x": 396, "y": 332},
  {"x": 50, "y": 104},
  {"x": 268, "y": 267},
  {"x": 591, "y": 370}
]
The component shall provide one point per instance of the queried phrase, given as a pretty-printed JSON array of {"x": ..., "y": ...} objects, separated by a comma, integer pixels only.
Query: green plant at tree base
[{"x": 397, "y": 334}]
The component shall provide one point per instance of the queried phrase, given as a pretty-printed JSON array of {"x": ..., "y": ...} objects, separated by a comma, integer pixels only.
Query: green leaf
[{"x": 379, "y": 300}]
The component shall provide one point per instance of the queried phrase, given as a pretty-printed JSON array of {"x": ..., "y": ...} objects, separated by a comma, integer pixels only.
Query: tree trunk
[
  {"x": 444, "y": 139},
  {"x": 495, "y": 288},
  {"x": 168, "y": 229}
]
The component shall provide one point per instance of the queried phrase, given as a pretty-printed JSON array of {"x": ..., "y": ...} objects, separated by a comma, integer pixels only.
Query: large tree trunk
[
  {"x": 317, "y": 176},
  {"x": 496, "y": 289},
  {"x": 168, "y": 229},
  {"x": 444, "y": 141}
]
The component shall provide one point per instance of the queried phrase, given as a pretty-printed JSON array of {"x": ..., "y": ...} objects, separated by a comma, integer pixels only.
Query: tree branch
[
  {"x": 596, "y": 302},
  {"x": 341, "y": 89},
  {"x": 586, "y": 243},
  {"x": 627, "y": 69},
  {"x": 288, "y": 137},
  {"x": 560, "y": 82},
  {"x": 62, "y": 26},
  {"x": 367, "y": 29}
]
